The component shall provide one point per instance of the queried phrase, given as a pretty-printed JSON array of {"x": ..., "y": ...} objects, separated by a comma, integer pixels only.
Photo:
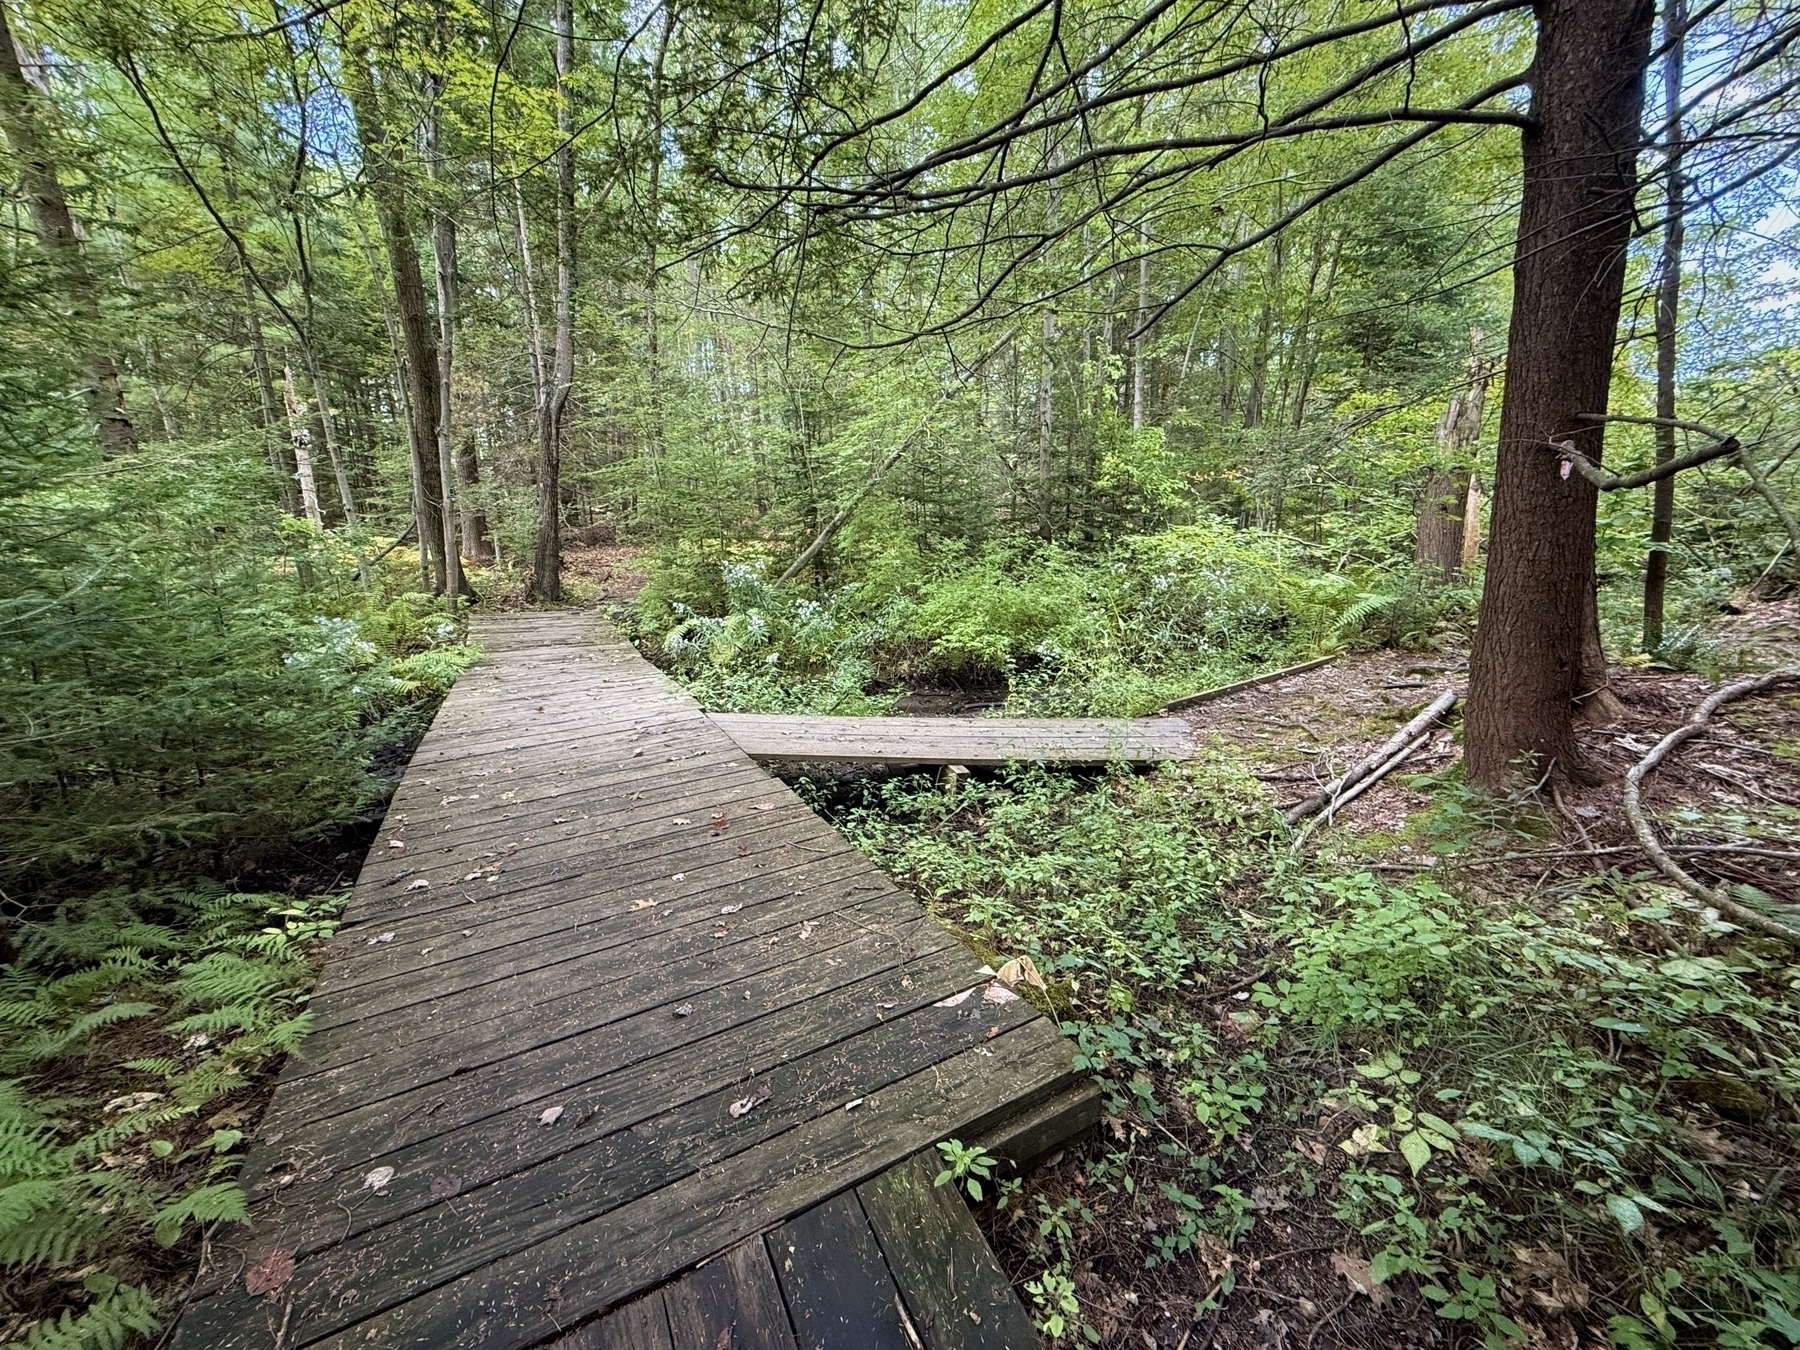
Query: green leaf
[
  {"x": 1415, "y": 1149},
  {"x": 1629, "y": 1216}
]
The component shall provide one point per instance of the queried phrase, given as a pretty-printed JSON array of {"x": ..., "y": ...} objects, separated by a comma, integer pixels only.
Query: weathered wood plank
[
  {"x": 838, "y": 1289},
  {"x": 642, "y": 1324},
  {"x": 730, "y": 1303},
  {"x": 959, "y": 1297},
  {"x": 974, "y": 741}
]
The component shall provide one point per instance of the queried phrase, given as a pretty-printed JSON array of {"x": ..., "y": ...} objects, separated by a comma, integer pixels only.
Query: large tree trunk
[
  {"x": 546, "y": 562},
  {"x": 1537, "y": 643},
  {"x": 1668, "y": 309},
  {"x": 55, "y": 229},
  {"x": 413, "y": 318}
]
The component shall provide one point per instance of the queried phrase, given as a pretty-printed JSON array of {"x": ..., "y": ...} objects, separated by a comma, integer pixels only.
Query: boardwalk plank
[
  {"x": 839, "y": 1293},
  {"x": 730, "y": 1303}
]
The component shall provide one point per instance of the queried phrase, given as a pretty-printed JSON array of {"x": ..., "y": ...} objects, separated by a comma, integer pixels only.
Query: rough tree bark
[
  {"x": 413, "y": 318},
  {"x": 546, "y": 560},
  {"x": 28, "y": 135},
  {"x": 1668, "y": 308},
  {"x": 1536, "y": 646}
]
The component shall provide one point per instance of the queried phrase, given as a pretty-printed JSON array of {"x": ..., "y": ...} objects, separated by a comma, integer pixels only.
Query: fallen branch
[
  {"x": 1226, "y": 690},
  {"x": 1641, "y": 829},
  {"x": 362, "y": 568},
  {"x": 1363, "y": 768},
  {"x": 1405, "y": 753}
]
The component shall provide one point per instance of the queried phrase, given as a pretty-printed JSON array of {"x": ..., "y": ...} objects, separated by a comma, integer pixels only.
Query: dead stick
[
  {"x": 1433, "y": 710},
  {"x": 1364, "y": 784},
  {"x": 1646, "y": 836}
]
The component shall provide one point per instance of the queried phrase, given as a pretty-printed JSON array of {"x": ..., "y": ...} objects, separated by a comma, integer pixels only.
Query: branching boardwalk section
[
  {"x": 608, "y": 1000},
  {"x": 976, "y": 742}
]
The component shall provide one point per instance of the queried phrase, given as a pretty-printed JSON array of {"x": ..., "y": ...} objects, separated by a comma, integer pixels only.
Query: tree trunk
[
  {"x": 302, "y": 441},
  {"x": 413, "y": 319},
  {"x": 1668, "y": 311},
  {"x": 1536, "y": 646},
  {"x": 1441, "y": 517},
  {"x": 546, "y": 561},
  {"x": 443, "y": 256},
  {"x": 1137, "y": 343},
  {"x": 1046, "y": 413},
  {"x": 265, "y": 389},
  {"x": 340, "y": 465},
  {"x": 55, "y": 228}
]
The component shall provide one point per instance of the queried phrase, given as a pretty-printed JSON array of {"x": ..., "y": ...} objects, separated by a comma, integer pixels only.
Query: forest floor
[{"x": 1299, "y": 1275}]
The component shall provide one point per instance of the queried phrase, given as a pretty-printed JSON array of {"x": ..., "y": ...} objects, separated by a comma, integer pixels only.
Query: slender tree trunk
[
  {"x": 265, "y": 389},
  {"x": 443, "y": 256},
  {"x": 23, "y": 121},
  {"x": 1536, "y": 647},
  {"x": 302, "y": 441},
  {"x": 546, "y": 560},
  {"x": 1444, "y": 511},
  {"x": 1668, "y": 313},
  {"x": 418, "y": 345},
  {"x": 653, "y": 228},
  {"x": 1046, "y": 413},
  {"x": 1137, "y": 343}
]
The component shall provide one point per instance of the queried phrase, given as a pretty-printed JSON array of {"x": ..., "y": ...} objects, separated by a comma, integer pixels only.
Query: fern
[
  {"x": 223, "y": 1200},
  {"x": 121, "y": 1311}
]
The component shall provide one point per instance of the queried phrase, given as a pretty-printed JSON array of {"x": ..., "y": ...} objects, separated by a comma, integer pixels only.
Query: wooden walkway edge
[
  {"x": 977, "y": 742},
  {"x": 609, "y": 1001}
]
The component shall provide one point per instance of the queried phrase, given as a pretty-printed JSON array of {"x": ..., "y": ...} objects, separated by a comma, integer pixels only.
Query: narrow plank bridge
[{"x": 621, "y": 1046}]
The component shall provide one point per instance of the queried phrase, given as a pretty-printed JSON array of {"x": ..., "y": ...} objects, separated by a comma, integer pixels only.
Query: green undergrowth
[
  {"x": 1117, "y": 632},
  {"x": 1525, "y": 1110},
  {"x": 137, "y": 1031}
]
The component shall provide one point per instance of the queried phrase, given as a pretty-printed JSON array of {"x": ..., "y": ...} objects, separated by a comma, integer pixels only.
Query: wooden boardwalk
[
  {"x": 971, "y": 741},
  {"x": 609, "y": 1001}
]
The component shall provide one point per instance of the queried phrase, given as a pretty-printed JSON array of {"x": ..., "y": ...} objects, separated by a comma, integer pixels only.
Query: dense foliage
[{"x": 1522, "y": 1076}]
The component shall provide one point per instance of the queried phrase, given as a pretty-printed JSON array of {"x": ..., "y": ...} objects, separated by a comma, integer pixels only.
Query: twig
[
  {"x": 1646, "y": 836},
  {"x": 1571, "y": 817},
  {"x": 1363, "y": 785}
]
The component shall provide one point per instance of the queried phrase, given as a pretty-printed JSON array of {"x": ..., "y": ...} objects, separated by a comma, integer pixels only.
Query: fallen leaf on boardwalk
[
  {"x": 953, "y": 1000},
  {"x": 679, "y": 876},
  {"x": 551, "y": 1116},
  {"x": 642, "y": 904},
  {"x": 685, "y": 1010},
  {"x": 420, "y": 885},
  {"x": 637, "y": 754},
  {"x": 385, "y": 937},
  {"x": 763, "y": 806},
  {"x": 743, "y": 1106},
  {"x": 442, "y": 1188},
  {"x": 853, "y": 1103},
  {"x": 396, "y": 843},
  {"x": 999, "y": 993},
  {"x": 883, "y": 1007},
  {"x": 1359, "y": 1275},
  {"x": 378, "y": 1179},
  {"x": 682, "y": 820},
  {"x": 270, "y": 1275},
  {"x": 806, "y": 932},
  {"x": 724, "y": 1340},
  {"x": 721, "y": 932},
  {"x": 448, "y": 800},
  {"x": 1021, "y": 970},
  {"x": 729, "y": 909}
]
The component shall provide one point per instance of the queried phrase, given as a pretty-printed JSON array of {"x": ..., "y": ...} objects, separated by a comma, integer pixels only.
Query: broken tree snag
[
  {"x": 1718, "y": 897},
  {"x": 1396, "y": 748}
]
